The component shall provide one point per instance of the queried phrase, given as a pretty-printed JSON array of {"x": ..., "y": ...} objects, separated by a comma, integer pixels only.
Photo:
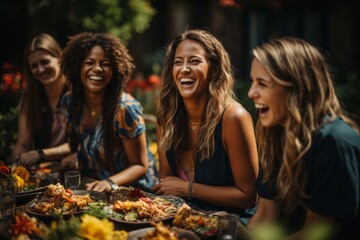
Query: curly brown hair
[{"x": 76, "y": 49}]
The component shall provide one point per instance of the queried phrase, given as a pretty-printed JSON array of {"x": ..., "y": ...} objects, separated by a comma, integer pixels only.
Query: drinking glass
[
  {"x": 72, "y": 180},
  {"x": 228, "y": 227},
  {"x": 8, "y": 189}
]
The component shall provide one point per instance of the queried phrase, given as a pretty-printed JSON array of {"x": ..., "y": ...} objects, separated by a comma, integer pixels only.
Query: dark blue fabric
[
  {"x": 215, "y": 171},
  {"x": 333, "y": 184}
]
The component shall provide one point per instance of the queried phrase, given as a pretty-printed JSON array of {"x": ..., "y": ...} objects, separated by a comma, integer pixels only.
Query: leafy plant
[{"x": 121, "y": 18}]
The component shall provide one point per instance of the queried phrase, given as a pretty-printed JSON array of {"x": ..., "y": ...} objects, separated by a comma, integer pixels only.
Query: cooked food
[
  {"x": 145, "y": 209},
  {"x": 198, "y": 222},
  {"x": 58, "y": 200},
  {"x": 161, "y": 232}
]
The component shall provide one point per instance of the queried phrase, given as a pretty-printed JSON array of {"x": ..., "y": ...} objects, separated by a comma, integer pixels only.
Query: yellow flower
[
  {"x": 120, "y": 235},
  {"x": 20, "y": 182},
  {"x": 93, "y": 228},
  {"x": 22, "y": 172}
]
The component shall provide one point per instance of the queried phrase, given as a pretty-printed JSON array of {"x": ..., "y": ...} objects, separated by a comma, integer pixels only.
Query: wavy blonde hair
[
  {"x": 171, "y": 115},
  {"x": 34, "y": 99},
  {"x": 311, "y": 99}
]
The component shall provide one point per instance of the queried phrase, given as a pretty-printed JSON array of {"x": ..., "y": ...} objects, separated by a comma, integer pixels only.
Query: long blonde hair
[
  {"x": 300, "y": 67},
  {"x": 34, "y": 99},
  {"x": 172, "y": 116}
]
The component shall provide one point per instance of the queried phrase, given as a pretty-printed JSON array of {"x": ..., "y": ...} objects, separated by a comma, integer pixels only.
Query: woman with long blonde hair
[
  {"x": 309, "y": 149},
  {"x": 207, "y": 146},
  {"x": 41, "y": 125}
]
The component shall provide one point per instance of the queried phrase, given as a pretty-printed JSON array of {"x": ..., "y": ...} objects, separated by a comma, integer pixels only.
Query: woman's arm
[
  {"x": 137, "y": 155},
  {"x": 239, "y": 142},
  {"x": 164, "y": 167},
  {"x": 33, "y": 157},
  {"x": 25, "y": 137}
]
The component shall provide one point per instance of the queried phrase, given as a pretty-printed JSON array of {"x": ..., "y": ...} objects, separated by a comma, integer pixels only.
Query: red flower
[
  {"x": 4, "y": 170},
  {"x": 154, "y": 80}
]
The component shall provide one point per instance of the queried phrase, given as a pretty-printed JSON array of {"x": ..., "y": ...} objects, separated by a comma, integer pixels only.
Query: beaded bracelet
[{"x": 189, "y": 192}]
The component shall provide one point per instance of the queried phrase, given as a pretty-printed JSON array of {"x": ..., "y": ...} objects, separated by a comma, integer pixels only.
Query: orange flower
[{"x": 25, "y": 225}]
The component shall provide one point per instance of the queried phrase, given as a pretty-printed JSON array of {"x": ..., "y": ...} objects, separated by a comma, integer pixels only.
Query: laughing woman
[
  {"x": 105, "y": 125},
  {"x": 207, "y": 147},
  {"x": 41, "y": 124},
  {"x": 309, "y": 150}
]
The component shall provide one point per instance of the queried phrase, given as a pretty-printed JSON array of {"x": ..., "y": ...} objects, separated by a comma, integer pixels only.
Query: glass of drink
[
  {"x": 8, "y": 189},
  {"x": 72, "y": 180},
  {"x": 228, "y": 227}
]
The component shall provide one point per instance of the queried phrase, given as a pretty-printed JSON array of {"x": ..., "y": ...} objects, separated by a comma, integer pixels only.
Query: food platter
[
  {"x": 29, "y": 207},
  {"x": 121, "y": 221},
  {"x": 132, "y": 209},
  {"x": 182, "y": 233},
  {"x": 24, "y": 196}
]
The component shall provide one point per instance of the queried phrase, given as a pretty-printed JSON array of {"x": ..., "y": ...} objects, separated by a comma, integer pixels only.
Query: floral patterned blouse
[{"x": 128, "y": 123}]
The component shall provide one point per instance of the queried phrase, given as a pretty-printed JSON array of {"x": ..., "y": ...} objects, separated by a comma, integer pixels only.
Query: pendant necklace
[{"x": 92, "y": 110}]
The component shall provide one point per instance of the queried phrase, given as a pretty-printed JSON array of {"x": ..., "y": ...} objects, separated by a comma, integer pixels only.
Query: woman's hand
[
  {"x": 70, "y": 163},
  {"x": 30, "y": 158},
  {"x": 100, "y": 186},
  {"x": 172, "y": 186}
]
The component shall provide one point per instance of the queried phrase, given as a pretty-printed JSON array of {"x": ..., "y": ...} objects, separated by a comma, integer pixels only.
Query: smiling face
[
  {"x": 190, "y": 69},
  {"x": 44, "y": 67},
  {"x": 269, "y": 96},
  {"x": 96, "y": 71}
]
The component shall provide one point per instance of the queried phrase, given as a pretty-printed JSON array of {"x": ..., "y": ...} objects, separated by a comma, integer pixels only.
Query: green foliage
[
  {"x": 65, "y": 230},
  {"x": 8, "y": 131},
  {"x": 119, "y": 17},
  {"x": 241, "y": 88},
  {"x": 347, "y": 85}
]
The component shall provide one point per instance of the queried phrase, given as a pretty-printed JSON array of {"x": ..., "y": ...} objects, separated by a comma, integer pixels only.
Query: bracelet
[
  {"x": 189, "y": 190},
  {"x": 59, "y": 151},
  {"x": 41, "y": 155}
]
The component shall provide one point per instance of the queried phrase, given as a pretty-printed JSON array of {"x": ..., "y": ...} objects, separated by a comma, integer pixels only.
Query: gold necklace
[
  {"x": 194, "y": 124},
  {"x": 92, "y": 110}
]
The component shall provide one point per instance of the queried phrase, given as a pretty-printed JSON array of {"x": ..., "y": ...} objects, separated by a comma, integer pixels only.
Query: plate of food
[
  {"x": 134, "y": 209},
  {"x": 34, "y": 180},
  {"x": 203, "y": 225},
  {"x": 161, "y": 231},
  {"x": 56, "y": 202}
]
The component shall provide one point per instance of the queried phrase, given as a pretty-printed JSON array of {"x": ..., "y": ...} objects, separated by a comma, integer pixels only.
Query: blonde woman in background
[{"x": 309, "y": 150}]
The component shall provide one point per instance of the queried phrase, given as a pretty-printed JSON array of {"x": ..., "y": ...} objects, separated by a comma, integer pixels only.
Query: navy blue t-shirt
[{"x": 333, "y": 184}]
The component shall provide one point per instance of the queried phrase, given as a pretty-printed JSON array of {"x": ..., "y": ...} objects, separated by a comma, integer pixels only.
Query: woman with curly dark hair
[
  {"x": 105, "y": 125},
  {"x": 309, "y": 149}
]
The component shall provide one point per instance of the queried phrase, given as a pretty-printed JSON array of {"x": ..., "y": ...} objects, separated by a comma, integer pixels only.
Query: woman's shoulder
[
  {"x": 127, "y": 101},
  {"x": 338, "y": 130},
  {"x": 128, "y": 106},
  {"x": 236, "y": 112}
]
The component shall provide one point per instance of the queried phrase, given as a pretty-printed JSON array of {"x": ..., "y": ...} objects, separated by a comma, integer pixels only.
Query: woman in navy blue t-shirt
[{"x": 308, "y": 148}]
